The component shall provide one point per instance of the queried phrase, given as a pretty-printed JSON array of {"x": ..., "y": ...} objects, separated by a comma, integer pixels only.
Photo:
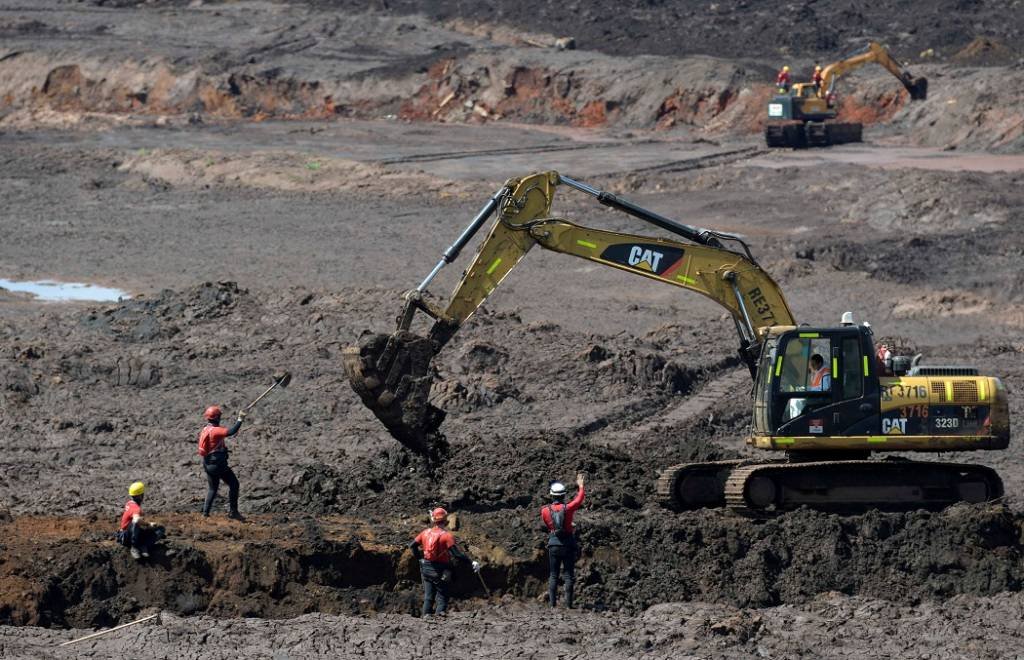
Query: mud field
[{"x": 265, "y": 180}]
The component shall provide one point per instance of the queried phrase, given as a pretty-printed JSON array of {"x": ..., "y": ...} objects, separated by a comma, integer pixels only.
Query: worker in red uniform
[
  {"x": 562, "y": 546},
  {"x": 434, "y": 547},
  {"x": 138, "y": 536},
  {"x": 817, "y": 79},
  {"x": 783, "y": 80},
  {"x": 214, "y": 452},
  {"x": 883, "y": 360}
]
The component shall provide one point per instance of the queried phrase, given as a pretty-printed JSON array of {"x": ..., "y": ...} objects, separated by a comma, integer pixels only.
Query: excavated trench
[
  {"x": 629, "y": 563},
  {"x": 60, "y": 580}
]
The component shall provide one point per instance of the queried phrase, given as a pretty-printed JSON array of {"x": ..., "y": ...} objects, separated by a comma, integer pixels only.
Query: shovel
[{"x": 282, "y": 378}]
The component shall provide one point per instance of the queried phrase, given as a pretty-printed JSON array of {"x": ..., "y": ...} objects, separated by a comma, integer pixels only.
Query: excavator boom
[
  {"x": 391, "y": 373},
  {"x": 874, "y": 52}
]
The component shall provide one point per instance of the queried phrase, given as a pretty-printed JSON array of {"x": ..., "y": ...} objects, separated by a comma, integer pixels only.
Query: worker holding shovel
[
  {"x": 214, "y": 451},
  {"x": 215, "y": 459}
]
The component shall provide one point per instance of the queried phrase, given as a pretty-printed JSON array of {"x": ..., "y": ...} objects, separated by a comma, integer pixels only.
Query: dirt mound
[
  {"x": 736, "y": 28},
  {"x": 983, "y": 51},
  {"x": 272, "y": 171}
]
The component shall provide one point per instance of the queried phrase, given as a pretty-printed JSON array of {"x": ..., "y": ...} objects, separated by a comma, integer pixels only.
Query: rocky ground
[{"x": 266, "y": 179}]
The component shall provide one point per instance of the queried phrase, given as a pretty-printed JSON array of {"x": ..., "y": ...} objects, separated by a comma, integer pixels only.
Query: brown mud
[{"x": 267, "y": 180}]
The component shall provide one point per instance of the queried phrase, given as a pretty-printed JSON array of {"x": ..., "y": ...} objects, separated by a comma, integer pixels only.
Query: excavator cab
[
  {"x": 817, "y": 382},
  {"x": 821, "y": 390}
]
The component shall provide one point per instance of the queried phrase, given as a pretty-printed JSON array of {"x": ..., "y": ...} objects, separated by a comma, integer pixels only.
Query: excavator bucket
[
  {"x": 918, "y": 89},
  {"x": 392, "y": 375}
]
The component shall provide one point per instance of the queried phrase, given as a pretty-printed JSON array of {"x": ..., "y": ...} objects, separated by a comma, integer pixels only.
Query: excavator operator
[{"x": 821, "y": 380}]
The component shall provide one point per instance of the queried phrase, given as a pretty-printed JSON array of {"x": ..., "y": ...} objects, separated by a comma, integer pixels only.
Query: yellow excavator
[
  {"x": 820, "y": 395},
  {"x": 803, "y": 117}
]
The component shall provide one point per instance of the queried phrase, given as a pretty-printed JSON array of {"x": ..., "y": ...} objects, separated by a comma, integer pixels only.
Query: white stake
[{"x": 110, "y": 630}]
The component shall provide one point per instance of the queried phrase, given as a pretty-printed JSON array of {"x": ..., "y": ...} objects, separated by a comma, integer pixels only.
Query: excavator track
[
  {"x": 812, "y": 134},
  {"x": 857, "y": 485},
  {"x": 689, "y": 486}
]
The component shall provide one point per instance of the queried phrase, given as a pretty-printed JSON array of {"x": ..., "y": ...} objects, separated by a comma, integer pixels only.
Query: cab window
[
  {"x": 806, "y": 366},
  {"x": 763, "y": 388},
  {"x": 852, "y": 379}
]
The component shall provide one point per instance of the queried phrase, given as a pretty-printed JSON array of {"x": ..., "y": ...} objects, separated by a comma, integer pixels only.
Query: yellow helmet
[
  {"x": 817, "y": 67},
  {"x": 785, "y": 68},
  {"x": 137, "y": 488}
]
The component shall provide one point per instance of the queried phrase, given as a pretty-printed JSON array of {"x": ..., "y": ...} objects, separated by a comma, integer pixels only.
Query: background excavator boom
[{"x": 874, "y": 52}]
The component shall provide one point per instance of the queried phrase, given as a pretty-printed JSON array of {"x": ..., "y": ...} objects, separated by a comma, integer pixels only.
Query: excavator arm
[
  {"x": 874, "y": 52},
  {"x": 391, "y": 373}
]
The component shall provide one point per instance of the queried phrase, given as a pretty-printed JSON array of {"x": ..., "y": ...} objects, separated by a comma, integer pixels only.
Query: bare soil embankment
[{"x": 319, "y": 66}]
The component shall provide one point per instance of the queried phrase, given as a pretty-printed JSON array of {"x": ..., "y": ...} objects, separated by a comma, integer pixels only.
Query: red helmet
[
  {"x": 439, "y": 515},
  {"x": 212, "y": 413}
]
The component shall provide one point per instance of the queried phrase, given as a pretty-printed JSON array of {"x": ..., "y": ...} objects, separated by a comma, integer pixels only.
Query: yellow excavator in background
[
  {"x": 803, "y": 117},
  {"x": 819, "y": 393}
]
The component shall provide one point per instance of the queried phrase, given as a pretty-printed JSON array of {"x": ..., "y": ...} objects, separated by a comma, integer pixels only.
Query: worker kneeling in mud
[
  {"x": 435, "y": 547},
  {"x": 138, "y": 536},
  {"x": 215, "y": 459},
  {"x": 562, "y": 546}
]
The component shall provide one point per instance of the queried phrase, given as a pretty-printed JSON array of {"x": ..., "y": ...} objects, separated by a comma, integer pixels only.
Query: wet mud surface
[{"x": 254, "y": 246}]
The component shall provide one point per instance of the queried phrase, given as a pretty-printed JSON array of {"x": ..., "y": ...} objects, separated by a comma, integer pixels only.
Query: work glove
[
  {"x": 241, "y": 415},
  {"x": 476, "y": 567}
]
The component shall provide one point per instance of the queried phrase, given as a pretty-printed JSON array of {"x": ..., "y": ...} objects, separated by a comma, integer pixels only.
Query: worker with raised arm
[
  {"x": 134, "y": 533},
  {"x": 783, "y": 81},
  {"x": 435, "y": 547},
  {"x": 214, "y": 453},
  {"x": 562, "y": 547}
]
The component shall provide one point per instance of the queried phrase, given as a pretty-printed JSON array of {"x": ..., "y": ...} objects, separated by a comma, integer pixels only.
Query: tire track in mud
[
  {"x": 458, "y": 155},
  {"x": 715, "y": 391},
  {"x": 720, "y": 382},
  {"x": 697, "y": 163}
]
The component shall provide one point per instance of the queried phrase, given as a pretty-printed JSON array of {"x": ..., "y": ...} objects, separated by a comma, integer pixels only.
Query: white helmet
[{"x": 557, "y": 489}]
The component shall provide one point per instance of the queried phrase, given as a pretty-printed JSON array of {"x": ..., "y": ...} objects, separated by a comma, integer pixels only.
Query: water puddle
[{"x": 50, "y": 291}]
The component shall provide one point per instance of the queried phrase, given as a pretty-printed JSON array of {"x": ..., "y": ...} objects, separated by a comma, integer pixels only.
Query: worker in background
[
  {"x": 883, "y": 360},
  {"x": 821, "y": 379},
  {"x": 435, "y": 547},
  {"x": 562, "y": 546},
  {"x": 783, "y": 80},
  {"x": 817, "y": 79},
  {"x": 138, "y": 536},
  {"x": 214, "y": 453}
]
